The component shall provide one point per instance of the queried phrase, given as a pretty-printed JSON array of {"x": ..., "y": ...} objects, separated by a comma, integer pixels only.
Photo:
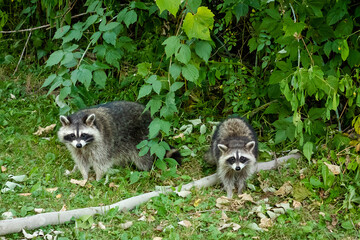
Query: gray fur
[
  {"x": 233, "y": 138},
  {"x": 114, "y": 130}
]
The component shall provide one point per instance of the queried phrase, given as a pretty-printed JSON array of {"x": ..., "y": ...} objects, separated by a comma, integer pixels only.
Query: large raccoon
[
  {"x": 105, "y": 135},
  {"x": 233, "y": 149}
]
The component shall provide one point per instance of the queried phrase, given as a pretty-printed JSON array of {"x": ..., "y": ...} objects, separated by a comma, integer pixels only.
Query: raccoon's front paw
[{"x": 229, "y": 194}]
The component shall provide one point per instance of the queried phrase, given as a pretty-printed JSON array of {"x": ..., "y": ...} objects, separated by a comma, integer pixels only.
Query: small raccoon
[
  {"x": 107, "y": 135},
  {"x": 233, "y": 149}
]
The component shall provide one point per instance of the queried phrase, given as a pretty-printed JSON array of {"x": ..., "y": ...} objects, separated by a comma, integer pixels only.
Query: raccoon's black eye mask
[
  {"x": 69, "y": 137},
  {"x": 232, "y": 160}
]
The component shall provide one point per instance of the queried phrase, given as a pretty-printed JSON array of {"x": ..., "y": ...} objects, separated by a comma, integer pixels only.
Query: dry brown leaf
[
  {"x": 284, "y": 190},
  {"x": 246, "y": 197},
  {"x": 159, "y": 228},
  {"x": 223, "y": 226},
  {"x": 126, "y": 225},
  {"x": 225, "y": 203},
  {"x": 183, "y": 194},
  {"x": 113, "y": 185},
  {"x": 296, "y": 204},
  {"x": 58, "y": 196},
  {"x": 64, "y": 208},
  {"x": 335, "y": 169},
  {"x": 44, "y": 130},
  {"x": 51, "y": 190},
  {"x": 79, "y": 182},
  {"x": 185, "y": 223},
  {"x": 157, "y": 238},
  {"x": 25, "y": 194},
  {"x": 266, "y": 223},
  {"x": 181, "y": 135},
  {"x": 357, "y": 148},
  {"x": 3, "y": 168},
  {"x": 224, "y": 216},
  {"x": 235, "y": 226}
]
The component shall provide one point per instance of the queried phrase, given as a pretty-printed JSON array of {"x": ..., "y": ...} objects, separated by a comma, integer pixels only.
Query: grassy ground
[{"x": 44, "y": 160}]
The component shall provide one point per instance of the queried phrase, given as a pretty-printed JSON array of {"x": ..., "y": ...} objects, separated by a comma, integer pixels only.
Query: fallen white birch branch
[{"x": 55, "y": 218}]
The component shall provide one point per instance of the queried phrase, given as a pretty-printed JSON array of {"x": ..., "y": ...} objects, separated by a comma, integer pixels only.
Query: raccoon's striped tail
[{"x": 175, "y": 154}]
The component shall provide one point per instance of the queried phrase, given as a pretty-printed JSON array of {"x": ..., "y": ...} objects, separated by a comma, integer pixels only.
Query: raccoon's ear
[
  {"x": 250, "y": 146},
  {"x": 222, "y": 148},
  {"x": 90, "y": 120},
  {"x": 64, "y": 120}
]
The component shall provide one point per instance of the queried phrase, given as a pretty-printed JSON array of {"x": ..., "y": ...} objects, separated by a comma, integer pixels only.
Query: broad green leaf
[
  {"x": 57, "y": 83},
  {"x": 171, "y": 5},
  {"x": 113, "y": 56},
  {"x": 100, "y": 78},
  {"x": 344, "y": 50},
  {"x": 190, "y": 72},
  {"x": 144, "y": 90},
  {"x": 172, "y": 45},
  {"x": 95, "y": 37},
  {"x": 328, "y": 177},
  {"x": 203, "y": 50},
  {"x": 143, "y": 68},
  {"x": 154, "y": 105},
  {"x": 184, "y": 54},
  {"x": 134, "y": 177},
  {"x": 157, "y": 86},
  {"x": 84, "y": 76},
  {"x": 142, "y": 144},
  {"x": 68, "y": 57},
  {"x": 158, "y": 150},
  {"x": 327, "y": 48},
  {"x": 60, "y": 32},
  {"x": 165, "y": 126},
  {"x": 49, "y": 80},
  {"x": 300, "y": 193},
  {"x": 290, "y": 28},
  {"x": 154, "y": 128},
  {"x": 280, "y": 136},
  {"x": 90, "y": 21},
  {"x": 160, "y": 164},
  {"x": 144, "y": 150},
  {"x": 308, "y": 150},
  {"x": 175, "y": 70},
  {"x": 130, "y": 18},
  {"x": 55, "y": 58},
  {"x": 64, "y": 92},
  {"x": 73, "y": 34},
  {"x": 240, "y": 10},
  {"x": 110, "y": 37},
  {"x": 176, "y": 85},
  {"x": 108, "y": 27},
  {"x": 200, "y": 24},
  {"x": 335, "y": 14},
  {"x": 193, "y": 5}
]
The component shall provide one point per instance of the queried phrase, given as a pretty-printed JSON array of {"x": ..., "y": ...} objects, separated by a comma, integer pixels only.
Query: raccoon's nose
[
  {"x": 238, "y": 168},
  {"x": 79, "y": 145}
]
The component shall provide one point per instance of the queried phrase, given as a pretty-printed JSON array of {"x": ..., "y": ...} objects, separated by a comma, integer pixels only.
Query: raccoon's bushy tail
[{"x": 175, "y": 154}]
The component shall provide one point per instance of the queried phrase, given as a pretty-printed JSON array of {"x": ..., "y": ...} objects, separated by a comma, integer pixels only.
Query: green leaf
[
  {"x": 335, "y": 14},
  {"x": 175, "y": 70},
  {"x": 68, "y": 57},
  {"x": 90, "y": 21},
  {"x": 327, "y": 176},
  {"x": 157, "y": 86},
  {"x": 154, "y": 128},
  {"x": 344, "y": 50},
  {"x": 130, "y": 18},
  {"x": 84, "y": 76},
  {"x": 154, "y": 105},
  {"x": 108, "y": 27},
  {"x": 158, "y": 150},
  {"x": 171, "y": 5},
  {"x": 280, "y": 136},
  {"x": 60, "y": 32},
  {"x": 190, "y": 72},
  {"x": 134, "y": 177},
  {"x": 308, "y": 150},
  {"x": 290, "y": 28},
  {"x": 64, "y": 92},
  {"x": 200, "y": 24},
  {"x": 175, "y": 86},
  {"x": 327, "y": 48},
  {"x": 100, "y": 78},
  {"x": 143, "y": 68},
  {"x": 203, "y": 50},
  {"x": 184, "y": 54},
  {"x": 49, "y": 80},
  {"x": 240, "y": 10},
  {"x": 193, "y": 5},
  {"x": 172, "y": 45},
  {"x": 165, "y": 126},
  {"x": 144, "y": 90},
  {"x": 95, "y": 37},
  {"x": 55, "y": 58},
  {"x": 73, "y": 34},
  {"x": 110, "y": 37},
  {"x": 113, "y": 56},
  {"x": 300, "y": 193},
  {"x": 160, "y": 164},
  {"x": 57, "y": 83}
]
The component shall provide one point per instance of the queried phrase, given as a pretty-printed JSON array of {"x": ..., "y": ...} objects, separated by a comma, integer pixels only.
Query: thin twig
[
  {"x": 293, "y": 11},
  {"x": 22, "y": 54},
  {"x": 82, "y": 57},
  {"x": 40, "y": 27}
]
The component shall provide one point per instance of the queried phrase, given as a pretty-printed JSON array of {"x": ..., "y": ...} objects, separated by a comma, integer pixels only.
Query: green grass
[{"x": 44, "y": 161}]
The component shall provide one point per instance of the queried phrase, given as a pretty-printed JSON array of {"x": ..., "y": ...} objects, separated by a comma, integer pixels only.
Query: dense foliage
[{"x": 291, "y": 67}]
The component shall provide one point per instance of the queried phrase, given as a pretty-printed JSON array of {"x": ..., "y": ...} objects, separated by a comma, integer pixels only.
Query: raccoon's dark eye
[
  {"x": 243, "y": 159},
  {"x": 231, "y": 160},
  {"x": 72, "y": 135},
  {"x": 84, "y": 135}
]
